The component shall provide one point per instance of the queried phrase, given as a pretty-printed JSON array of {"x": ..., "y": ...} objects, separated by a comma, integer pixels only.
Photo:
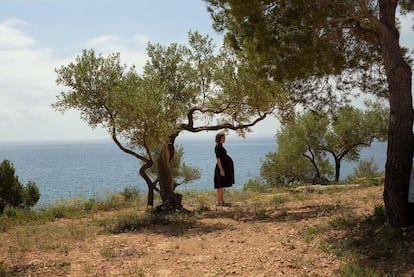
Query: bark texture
[
  {"x": 170, "y": 199},
  {"x": 400, "y": 134}
]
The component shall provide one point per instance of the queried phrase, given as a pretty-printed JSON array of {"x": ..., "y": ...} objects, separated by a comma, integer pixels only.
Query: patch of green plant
[
  {"x": 279, "y": 199},
  {"x": 68, "y": 208},
  {"x": 49, "y": 236},
  {"x": 260, "y": 212},
  {"x": 379, "y": 214},
  {"x": 371, "y": 239},
  {"x": 356, "y": 270},
  {"x": 310, "y": 233},
  {"x": 236, "y": 195},
  {"x": 388, "y": 240},
  {"x": 345, "y": 220},
  {"x": 301, "y": 196},
  {"x": 65, "y": 208},
  {"x": 10, "y": 211},
  {"x": 137, "y": 271},
  {"x": 108, "y": 252},
  {"x": 254, "y": 186},
  {"x": 111, "y": 202},
  {"x": 203, "y": 201},
  {"x": 17, "y": 216},
  {"x": 131, "y": 193},
  {"x": 133, "y": 221},
  {"x": 337, "y": 188},
  {"x": 367, "y": 174}
]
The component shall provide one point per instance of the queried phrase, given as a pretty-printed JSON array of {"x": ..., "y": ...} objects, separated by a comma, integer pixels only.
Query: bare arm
[{"x": 220, "y": 167}]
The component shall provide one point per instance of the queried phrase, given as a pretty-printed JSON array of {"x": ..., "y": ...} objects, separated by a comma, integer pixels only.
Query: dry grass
[{"x": 312, "y": 231}]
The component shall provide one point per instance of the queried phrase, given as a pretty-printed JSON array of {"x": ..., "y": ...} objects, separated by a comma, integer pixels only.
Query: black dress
[{"x": 228, "y": 179}]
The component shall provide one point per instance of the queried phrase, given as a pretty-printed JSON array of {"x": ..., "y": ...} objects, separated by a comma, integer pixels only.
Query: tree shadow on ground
[
  {"x": 375, "y": 248},
  {"x": 175, "y": 223},
  {"x": 179, "y": 224},
  {"x": 180, "y": 229},
  {"x": 274, "y": 214},
  {"x": 38, "y": 268}
]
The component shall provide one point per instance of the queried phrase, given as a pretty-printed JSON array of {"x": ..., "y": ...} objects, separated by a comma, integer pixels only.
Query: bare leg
[{"x": 220, "y": 195}]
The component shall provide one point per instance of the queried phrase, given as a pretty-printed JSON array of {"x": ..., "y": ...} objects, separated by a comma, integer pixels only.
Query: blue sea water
[{"x": 85, "y": 169}]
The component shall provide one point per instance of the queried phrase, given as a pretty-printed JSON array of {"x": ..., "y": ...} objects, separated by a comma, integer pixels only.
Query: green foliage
[
  {"x": 379, "y": 214},
  {"x": 10, "y": 212},
  {"x": 12, "y": 192},
  {"x": 280, "y": 169},
  {"x": 299, "y": 157},
  {"x": 406, "y": 6},
  {"x": 325, "y": 49},
  {"x": 130, "y": 197},
  {"x": 356, "y": 270},
  {"x": 203, "y": 201},
  {"x": 31, "y": 194},
  {"x": 179, "y": 84},
  {"x": 310, "y": 233},
  {"x": 309, "y": 44},
  {"x": 368, "y": 239},
  {"x": 131, "y": 193},
  {"x": 279, "y": 199},
  {"x": 182, "y": 173},
  {"x": 132, "y": 221},
  {"x": 254, "y": 186},
  {"x": 192, "y": 87},
  {"x": 353, "y": 128},
  {"x": 305, "y": 143},
  {"x": 367, "y": 168},
  {"x": 367, "y": 173}
]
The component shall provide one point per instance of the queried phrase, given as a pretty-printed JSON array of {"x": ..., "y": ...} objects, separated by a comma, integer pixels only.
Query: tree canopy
[
  {"x": 182, "y": 88},
  {"x": 339, "y": 45},
  {"x": 12, "y": 192},
  {"x": 306, "y": 144}
]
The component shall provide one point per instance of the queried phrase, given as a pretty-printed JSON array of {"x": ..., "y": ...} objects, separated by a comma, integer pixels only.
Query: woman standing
[{"x": 224, "y": 171}]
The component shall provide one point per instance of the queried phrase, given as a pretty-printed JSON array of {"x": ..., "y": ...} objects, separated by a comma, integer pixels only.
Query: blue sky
[{"x": 38, "y": 36}]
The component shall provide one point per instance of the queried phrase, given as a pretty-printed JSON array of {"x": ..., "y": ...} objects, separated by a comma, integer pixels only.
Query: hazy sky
[{"x": 38, "y": 36}]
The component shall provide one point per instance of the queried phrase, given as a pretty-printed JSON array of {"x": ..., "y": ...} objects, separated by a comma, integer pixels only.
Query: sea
[{"x": 86, "y": 169}]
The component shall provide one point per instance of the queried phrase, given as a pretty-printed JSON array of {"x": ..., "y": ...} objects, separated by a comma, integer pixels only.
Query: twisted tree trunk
[{"x": 170, "y": 200}]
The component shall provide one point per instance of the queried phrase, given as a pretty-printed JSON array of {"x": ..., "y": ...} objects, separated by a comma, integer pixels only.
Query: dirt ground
[{"x": 247, "y": 239}]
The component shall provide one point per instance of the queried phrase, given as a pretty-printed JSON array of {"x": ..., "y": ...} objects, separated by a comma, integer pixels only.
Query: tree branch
[
  {"x": 368, "y": 14},
  {"x": 312, "y": 160},
  {"x": 147, "y": 162},
  {"x": 356, "y": 23},
  {"x": 192, "y": 111},
  {"x": 191, "y": 128},
  {"x": 126, "y": 150}
]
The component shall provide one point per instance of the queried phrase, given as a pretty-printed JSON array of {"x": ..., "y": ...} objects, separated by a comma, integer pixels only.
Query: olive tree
[
  {"x": 352, "y": 129},
  {"x": 305, "y": 144},
  {"x": 299, "y": 157},
  {"x": 190, "y": 88}
]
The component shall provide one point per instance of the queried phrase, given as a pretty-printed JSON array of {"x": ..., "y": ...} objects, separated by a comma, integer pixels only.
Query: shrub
[
  {"x": 131, "y": 193},
  {"x": 31, "y": 194},
  {"x": 12, "y": 192},
  {"x": 10, "y": 212},
  {"x": 254, "y": 186},
  {"x": 367, "y": 173},
  {"x": 367, "y": 168}
]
